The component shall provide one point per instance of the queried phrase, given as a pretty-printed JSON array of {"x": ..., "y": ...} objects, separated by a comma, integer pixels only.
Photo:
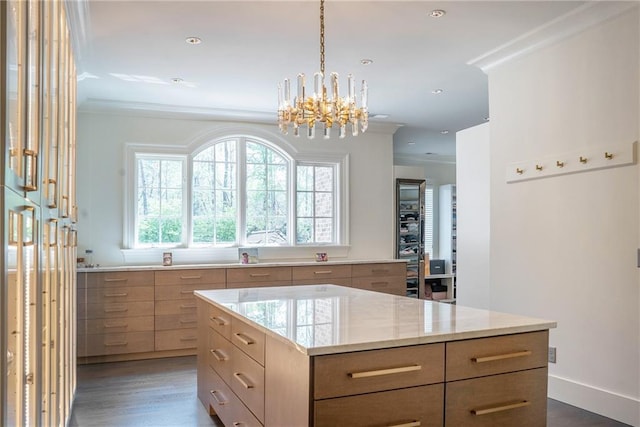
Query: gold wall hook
[
  {"x": 583, "y": 159},
  {"x": 519, "y": 171},
  {"x": 538, "y": 167},
  {"x": 559, "y": 164},
  {"x": 608, "y": 155}
]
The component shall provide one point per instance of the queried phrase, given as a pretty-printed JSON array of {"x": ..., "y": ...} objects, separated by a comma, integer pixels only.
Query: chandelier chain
[{"x": 322, "y": 36}]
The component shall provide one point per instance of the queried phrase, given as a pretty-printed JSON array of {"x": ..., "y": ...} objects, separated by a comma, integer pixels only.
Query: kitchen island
[{"x": 327, "y": 355}]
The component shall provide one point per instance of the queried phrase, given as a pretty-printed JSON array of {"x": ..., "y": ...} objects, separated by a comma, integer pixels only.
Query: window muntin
[
  {"x": 160, "y": 200},
  {"x": 316, "y": 204}
]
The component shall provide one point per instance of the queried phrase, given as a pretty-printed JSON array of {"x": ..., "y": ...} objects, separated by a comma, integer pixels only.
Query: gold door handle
[
  {"x": 219, "y": 320},
  {"x": 410, "y": 424},
  {"x": 53, "y": 193},
  {"x": 190, "y": 277},
  {"x": 390, "y": 371},
  {"x": 501, "y": 408},
  {"x": 31, "y": 170},
  {"x": 244, "y": 339},
  {"x": 215, "y": 393},
  {"x": 501, "y": 356},
  {"x": 238, "y": 376},
  {"x": 219, "y": 355}
]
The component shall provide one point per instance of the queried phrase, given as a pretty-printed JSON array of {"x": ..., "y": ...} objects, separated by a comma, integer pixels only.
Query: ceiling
[{"x": 128, "y": 52}]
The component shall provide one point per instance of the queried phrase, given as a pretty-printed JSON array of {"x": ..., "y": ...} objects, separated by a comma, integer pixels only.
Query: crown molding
[{"x": 577, "y": 20}]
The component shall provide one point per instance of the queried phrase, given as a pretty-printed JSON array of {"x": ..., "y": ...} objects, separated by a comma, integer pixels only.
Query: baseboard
[{"x": 603, "y": 402}]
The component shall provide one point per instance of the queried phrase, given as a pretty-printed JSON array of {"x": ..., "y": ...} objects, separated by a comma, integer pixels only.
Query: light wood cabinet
[
  {"x": 242, "y": 277},
  {"x": 389, "y": 278}
]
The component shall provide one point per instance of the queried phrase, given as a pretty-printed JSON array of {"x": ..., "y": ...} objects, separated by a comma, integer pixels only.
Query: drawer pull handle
[
  {"x": 505, "y": 407},
  {"x": 188, "y": 338},
  {"x": 186, "y": 292},
  {"x": 115, "y": 325},
  {"x": 389, "y": 371},
  {"x": 116, "y": 310},
  {"x": 411, "y": 424},
  {"x": 259, "y": 274},
  {"x": 190, "y": 277},
  {"x": 379, "y": 283},
  {"x": 116, "y": 344},
  {"x": 244, "y": 339},
  {"x": 220, "y": 356},
  {"x": 186, "y": 322},
  {"x": 245, "y": 384},
  {"x": 219, "y": 321},
  {"x": 115, "y": 280},
  {"x": 187, "y": 306},
  {"x": 501, "y": 356},
  {"x": 323, "y": 272},
  {"x": 123, "y": 294},
  {"x": 214, "y": 393}
]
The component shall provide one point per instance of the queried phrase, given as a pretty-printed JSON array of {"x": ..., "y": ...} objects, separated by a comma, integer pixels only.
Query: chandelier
[{"x": 321, "y": 106}]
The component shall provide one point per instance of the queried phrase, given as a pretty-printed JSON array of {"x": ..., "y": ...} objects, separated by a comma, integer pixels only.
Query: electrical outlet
[{"x": 552, "y": 355}]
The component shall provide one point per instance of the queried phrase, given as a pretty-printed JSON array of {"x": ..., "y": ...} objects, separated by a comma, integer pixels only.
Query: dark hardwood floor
[{"x": 162, "y": 392}]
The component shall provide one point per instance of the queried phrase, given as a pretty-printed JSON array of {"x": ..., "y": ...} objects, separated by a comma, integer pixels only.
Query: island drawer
[
  {"x": 248, "y": 339},
  {"x": 226, "y": 404},
  {"x": 495, "y": 355},
  {"x": 345, "y": 374},
  {"x": 387, "y": 269},
  {"x": 220, "y": 321},
  {"x": 117, "y": 325},
  {"x": 219, "y": 355},
  {"x": 176, "y": 292},
  {"x": 518, "y": 398},
  {"x": 186, "y": 277},
  {"x": 247, "y": 382},
  {"x": 105, "y": 344},
  {"x": 249, "y": 275},
  {"x": 117, "y": 278},
  {"x": 321, "y": 273},
  {"x": 415, "y": 406},
  {"x": 176, "y": 339}
]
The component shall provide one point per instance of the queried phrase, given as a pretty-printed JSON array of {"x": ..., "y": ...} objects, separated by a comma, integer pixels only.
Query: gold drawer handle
[
  {"x": 505, "y": 407},
  {"x": 245, "y": 384},
  {"x": 188, "y": 338},
  {"x": 244, "y": 339},
  {"x": 501, "y": 356},
  {"x": 115, "y": 325},
  {"x": 123, "y": 294},
  {"x": 186, "y": 322},
  {"x": 389, "y": 371},
  {"x": 220, "y": 356},
  {"x": 116, "y": 310},
  {"x": 219, "y": 320},
  {"x": 259, "y": 274},
  {"x": 115, "y": 280},
  {"x": 379, "y": 283},
  {"x": 187, "y": 306},
  {"x": 116, "y": 344},
  {"x": 323, "y": 272},
  {"x": 218, "y": 401},
  {"x": 411, "y": 424},
  {"x": 190, "y": 277},
  {"x": 186, "y": 292}
]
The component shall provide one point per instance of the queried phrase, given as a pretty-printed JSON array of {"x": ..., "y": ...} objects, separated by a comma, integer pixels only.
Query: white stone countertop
[
  {"x": 283, "y": 263},
  {"x": 327, "y": 319}
]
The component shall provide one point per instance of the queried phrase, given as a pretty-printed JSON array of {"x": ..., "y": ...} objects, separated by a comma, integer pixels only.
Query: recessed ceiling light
[
  {"x": 437, "y": 91},
  {"x": 429, "y": 153},
  {"x": 378, "y": 116},
  {"x": 193, "y": 40},
  {"x": 366, "y": 61},
  {"x": 411, "y": 143},
  {"x": 437, "y": 13},
  {"x": 444, "y": 132},
  {"x": 176, "y": 80}
]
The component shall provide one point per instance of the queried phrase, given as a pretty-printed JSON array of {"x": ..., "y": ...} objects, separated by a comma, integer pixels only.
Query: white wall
[
  {"x": 473, "y": 219},
  {"x": 564, "y": 247},
  {"x": 102, "y": 173}
]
